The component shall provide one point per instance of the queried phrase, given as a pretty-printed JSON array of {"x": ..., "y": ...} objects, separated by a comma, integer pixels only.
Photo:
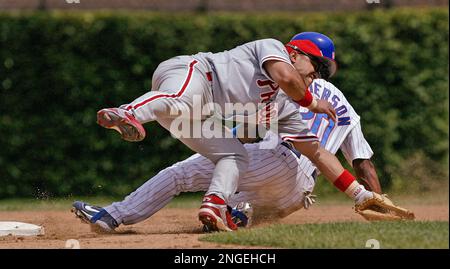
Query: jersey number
[{"x": 318, "y": 120}]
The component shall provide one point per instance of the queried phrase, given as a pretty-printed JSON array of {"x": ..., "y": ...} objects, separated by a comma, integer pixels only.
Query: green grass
[{"x": 344, "y": 235}]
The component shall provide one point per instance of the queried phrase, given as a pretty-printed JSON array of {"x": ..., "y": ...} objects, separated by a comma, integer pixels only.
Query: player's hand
[
  {"x": 309, "y": 199},
  {"x": 324, "y": 106}
]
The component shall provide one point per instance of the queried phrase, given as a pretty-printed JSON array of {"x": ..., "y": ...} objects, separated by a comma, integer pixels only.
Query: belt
[
  {"x": 298, "y": 154},
  {"x": 314, "y": 175},
  {"x": 291, "y": 148}
]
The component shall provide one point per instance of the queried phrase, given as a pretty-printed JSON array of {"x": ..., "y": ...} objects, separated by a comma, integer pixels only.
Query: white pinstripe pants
[{"x": 274, "y": 183}]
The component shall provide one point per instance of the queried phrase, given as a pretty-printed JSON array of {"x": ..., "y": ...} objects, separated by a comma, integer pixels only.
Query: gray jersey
[
  {"x": 228, "y": 79},
  {"x": 291, "y": 126},
  {"x": 238, "y": 75}
]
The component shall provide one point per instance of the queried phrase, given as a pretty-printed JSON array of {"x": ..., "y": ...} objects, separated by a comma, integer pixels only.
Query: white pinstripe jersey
[
  {"x": 345, "y": 134},
  {"x": 238, "y": 75}
]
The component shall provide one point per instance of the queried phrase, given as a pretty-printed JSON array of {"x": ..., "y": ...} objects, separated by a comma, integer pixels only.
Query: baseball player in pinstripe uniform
[
  {"x": 278, "y": 181},
  {"x": 251, "y": 73}
]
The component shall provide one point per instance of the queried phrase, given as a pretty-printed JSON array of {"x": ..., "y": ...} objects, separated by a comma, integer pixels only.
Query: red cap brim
[{"x": 308, "y": 47}]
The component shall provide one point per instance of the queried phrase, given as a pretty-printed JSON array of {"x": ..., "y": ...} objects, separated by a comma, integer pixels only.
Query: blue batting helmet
[{"x": 326, "y": 47}]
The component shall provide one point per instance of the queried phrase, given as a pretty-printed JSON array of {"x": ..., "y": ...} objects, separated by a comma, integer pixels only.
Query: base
[{"x": 20, "y": 229}]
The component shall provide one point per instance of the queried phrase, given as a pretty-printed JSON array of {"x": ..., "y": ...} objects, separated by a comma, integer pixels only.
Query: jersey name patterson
[
  {"x": 330, "y": 134},
  {"x": 320, "y": 91}
]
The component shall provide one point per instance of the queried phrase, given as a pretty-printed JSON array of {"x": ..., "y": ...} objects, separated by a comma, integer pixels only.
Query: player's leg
[
  {"x": 275, "y": 183},
  {"x": 231, "y": 162},
  {"x": 174, "y": 85},
  {"x": 264, "y": 166},
  {"x": 191, "y": 175},
  {"x": 332, "y": 169},
  {"x": 261, "y": 186},
  {"x": 228, "y": 154}
]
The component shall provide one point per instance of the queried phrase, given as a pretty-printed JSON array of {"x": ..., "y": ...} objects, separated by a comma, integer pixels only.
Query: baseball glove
[{"x": 380, "y": 207}]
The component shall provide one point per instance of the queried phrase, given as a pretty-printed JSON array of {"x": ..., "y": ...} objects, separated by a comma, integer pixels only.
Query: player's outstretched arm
[
  {"x": 295, "y": 84},
  {"x": 333, "y": 170},
  {"x": 326, "y": 162},
  {"x": 365, "y": 170},
  {"x": 366, "y": 201}
]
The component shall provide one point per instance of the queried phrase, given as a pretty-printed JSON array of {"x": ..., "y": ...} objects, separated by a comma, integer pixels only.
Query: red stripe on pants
[{"x": 174, "y": 95}]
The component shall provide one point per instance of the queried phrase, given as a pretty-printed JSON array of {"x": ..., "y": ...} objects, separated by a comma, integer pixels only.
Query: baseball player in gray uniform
[
  {"x": 251, "y": 73},
  {"x": 278, "y": 181}
]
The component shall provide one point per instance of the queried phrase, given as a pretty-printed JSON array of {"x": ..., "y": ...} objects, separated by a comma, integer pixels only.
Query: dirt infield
[{"x": 169, "y": 228}]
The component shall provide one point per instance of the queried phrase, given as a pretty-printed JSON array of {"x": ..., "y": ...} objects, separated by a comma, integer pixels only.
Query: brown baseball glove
[{"x": 380, "y": 207}]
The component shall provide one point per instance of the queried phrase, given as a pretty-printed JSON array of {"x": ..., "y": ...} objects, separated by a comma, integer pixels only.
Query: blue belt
[
  {"x": 291, "y": 148},
  {"x": 298, "y": 154}
]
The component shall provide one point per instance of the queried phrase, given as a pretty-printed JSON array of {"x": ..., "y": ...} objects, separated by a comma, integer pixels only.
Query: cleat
[
  {"x": 99, "y": 219},
  {"x": 215, "y": 215},
  {"x": 242, "y": 214},
  {"x": 123, "y": 122}
]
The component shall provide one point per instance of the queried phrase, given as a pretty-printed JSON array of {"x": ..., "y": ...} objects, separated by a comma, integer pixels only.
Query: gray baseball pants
[{"x": 176, "y": 84}]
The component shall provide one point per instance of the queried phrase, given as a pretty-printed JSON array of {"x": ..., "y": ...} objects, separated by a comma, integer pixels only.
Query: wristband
[
  {"x": 344, "y": 181},
  {"x": 313, "y": 104}
]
